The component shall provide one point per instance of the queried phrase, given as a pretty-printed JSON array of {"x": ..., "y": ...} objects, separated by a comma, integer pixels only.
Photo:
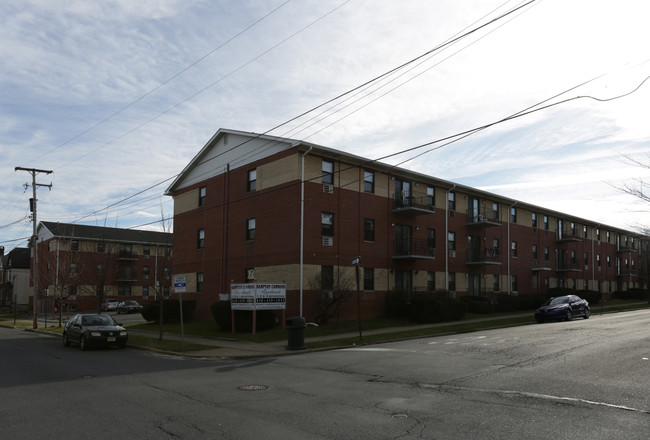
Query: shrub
[
  {"x": 171, "y": 311},
  {"x": 638, "y": 294},
  {"x": 243, "y": 318},
  {"x": 425, "y": 308}
]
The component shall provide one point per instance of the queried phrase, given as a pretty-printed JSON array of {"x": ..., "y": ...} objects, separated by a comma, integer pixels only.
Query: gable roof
[
  {"x": 18, "y": 258},
  {"x": 229, "y": 149},
  {"x": 69, "y": 230}
]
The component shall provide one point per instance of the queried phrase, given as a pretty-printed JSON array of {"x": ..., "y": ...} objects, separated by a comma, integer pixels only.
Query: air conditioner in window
[
  {"x": 328, "y": 241},
  {"x": 328, "y": 188}
]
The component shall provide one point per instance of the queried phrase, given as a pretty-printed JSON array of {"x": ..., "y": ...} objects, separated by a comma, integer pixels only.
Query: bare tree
[{"x": 331, "y": 295}]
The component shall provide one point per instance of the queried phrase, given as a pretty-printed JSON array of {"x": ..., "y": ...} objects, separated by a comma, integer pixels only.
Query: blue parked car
[{"x": 563, "y": 308}]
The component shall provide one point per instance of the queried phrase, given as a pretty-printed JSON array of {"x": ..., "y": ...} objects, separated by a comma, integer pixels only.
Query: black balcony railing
[
  {"x": 484, "y": 255},
  {"x": 413, "y": 248},
  {"x": 483, "y": 217},
  {"x": 412, "y": 202}
]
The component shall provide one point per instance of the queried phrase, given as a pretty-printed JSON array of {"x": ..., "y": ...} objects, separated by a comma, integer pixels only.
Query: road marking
[
  {"x": 379, "y": 349},
  {"x": 536, "y": 396}
]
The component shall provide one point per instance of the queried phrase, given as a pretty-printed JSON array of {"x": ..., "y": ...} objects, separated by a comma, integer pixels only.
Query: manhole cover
[
  {"x": 254, "y": 387},
  {"x": 399, "y": 416}
]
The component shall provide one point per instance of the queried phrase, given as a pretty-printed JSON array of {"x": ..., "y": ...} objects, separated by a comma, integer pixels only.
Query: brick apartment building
[
  {"x": 238, "y": 211},
  {"x": 78, "y": 265}
]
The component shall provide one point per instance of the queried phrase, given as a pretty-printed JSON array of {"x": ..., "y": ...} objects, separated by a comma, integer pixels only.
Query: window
[
  {"x": 607, "y": 235},
  {"x": 126, "y": 251},
  {"x": 202, "y": 191},
  {"x": 513, "y": 215},
  {"x": 123, "y": 290},
  {"x": 514, "y": 249},
  {"x": 249, "y": 275},
  {"x": 546, "y": 255},
  {"x": 431, "y": 242},
  {"x": 585, "y": 231},
  {"x": 250, "y": 229},
  {"x": 101, "y": 246},
  {"x": 74, "y": 245},
  {"x": 252, "y": 180},
  {"x": 145, "y": 272},
  {"x": 100, "y": 269},
  {"x": 200, "y": 239},
  {"x": 495, "y": 211},
  {"x": 368, "y": 278},
  {"x": 146, "y": 250},
  {"x": 451, "y": 201},
  {"x": 598, "y": 234},
  {"x": 327, "y": 224},
  {"x": 514, "y": 283},
  {"x": 573, "y": 257},
  {"x": 546, "y": 222},
  {"x": 73, "y": 269},
  {"x": 495, "y": 283},
  {"x": 451, "y": 241},
  {"x": 145, "y": 292},
  {"x": 534, "y": 219},
  {"x": 609, "y": 261},
  {"x": 327, "y": 278},
  {"x": 328, "y": 172},
  {"x": 199, "y": 282},
  {"x": 369, "y": 229},
  {"x": 431, "y": 282},
  {"x": 369, "y": 182},
  {"x": 535, "y": 252},
  {"x": 452, "y": 282},
  {"x": 167, "y": 272},
  {"x": 431, "y": 196},
  {"x": 586, "y": 259},
  {"x": 598, "y": 260}
]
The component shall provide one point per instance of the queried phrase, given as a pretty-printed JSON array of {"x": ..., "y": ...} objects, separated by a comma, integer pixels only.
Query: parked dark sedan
[
  {"x": 563, "y": 308},
  {"x": 128, "y": 306},
  {"x": 97, "y": 330}
]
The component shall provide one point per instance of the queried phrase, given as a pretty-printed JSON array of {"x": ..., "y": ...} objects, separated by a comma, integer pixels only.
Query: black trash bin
[{"x": 296, "y": 333}]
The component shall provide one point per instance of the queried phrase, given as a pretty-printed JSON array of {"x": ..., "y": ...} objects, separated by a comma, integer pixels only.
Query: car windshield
[
  {"x": 97, "y": 321},
  {"x": 557, "y": 301},
  {"x": 130, "y": 303}
]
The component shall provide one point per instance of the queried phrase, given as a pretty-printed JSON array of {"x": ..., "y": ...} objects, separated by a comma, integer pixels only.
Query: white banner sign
[{"x": 258, "y": 296}]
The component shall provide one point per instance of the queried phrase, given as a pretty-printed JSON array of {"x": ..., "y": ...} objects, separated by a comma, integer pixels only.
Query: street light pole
[{"x": 33, "y": 172}]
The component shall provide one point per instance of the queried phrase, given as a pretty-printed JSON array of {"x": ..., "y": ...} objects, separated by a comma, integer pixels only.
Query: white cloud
[{"x": 68, "y": 66}]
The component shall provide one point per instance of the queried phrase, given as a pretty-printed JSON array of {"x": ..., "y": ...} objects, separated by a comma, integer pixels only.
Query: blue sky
[{"x": 118, "y": 96}]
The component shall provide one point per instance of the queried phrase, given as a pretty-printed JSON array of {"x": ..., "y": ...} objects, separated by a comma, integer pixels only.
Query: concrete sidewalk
[{"x": 238, "y": 349}]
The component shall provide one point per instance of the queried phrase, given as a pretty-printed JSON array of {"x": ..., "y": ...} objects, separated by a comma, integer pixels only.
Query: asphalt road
[{"x": 585, "y": 379}]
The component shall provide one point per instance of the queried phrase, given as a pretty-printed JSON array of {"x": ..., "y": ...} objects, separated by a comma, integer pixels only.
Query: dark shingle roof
[
  {"x": 109, "y": 234},
  {"x": 18, "y": 258}
]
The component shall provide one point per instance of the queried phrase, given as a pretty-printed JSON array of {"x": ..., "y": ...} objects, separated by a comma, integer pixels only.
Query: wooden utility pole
[{"x": 33, "y": 172}]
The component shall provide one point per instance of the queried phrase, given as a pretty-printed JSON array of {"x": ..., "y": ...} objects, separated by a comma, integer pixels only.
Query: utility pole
[{"x": 33, "y": 172}]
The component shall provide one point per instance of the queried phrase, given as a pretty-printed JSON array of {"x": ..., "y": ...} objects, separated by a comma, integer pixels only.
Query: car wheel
[
  {"x": 66, "y": 341},
  {"x": 569, "y": 315},
  {"x": 82, "y": 343},
  {"x": 587, "y": 314}
]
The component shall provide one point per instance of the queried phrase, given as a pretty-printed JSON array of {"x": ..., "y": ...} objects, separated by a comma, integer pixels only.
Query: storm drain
[{"x": 254, "y": 387}]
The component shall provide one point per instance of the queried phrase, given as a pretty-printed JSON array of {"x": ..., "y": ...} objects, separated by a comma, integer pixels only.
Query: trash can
[{"x": 296, "y": 333}]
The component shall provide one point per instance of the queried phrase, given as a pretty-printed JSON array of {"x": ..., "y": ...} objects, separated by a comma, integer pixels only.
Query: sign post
[
  {"x": 357, "y": 262},
  {"x": 258, "y": 296},
  {"x": 180, "y": 287}
]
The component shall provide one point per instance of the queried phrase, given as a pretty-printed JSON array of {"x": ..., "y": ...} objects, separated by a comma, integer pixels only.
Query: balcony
[
  {"x": 412, "y": 203},
  {"x": 570, "y": 266},
  {"x": 626, "y": 271},
  {"x": 567, "y": 234},
  {"x": 625, "y": 247},
  {"x": 126, "y": 255},
  {"x": 485, "y": 217},
  {"x": 413, "y": 249},
  {"x": 540, "y": 265},
  {"x": 484, "y": 256}
]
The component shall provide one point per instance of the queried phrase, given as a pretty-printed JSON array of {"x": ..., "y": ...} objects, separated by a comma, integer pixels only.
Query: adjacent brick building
[
  {"x": 239, "y": 207},
  {"x": 79, "y": 265}
]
